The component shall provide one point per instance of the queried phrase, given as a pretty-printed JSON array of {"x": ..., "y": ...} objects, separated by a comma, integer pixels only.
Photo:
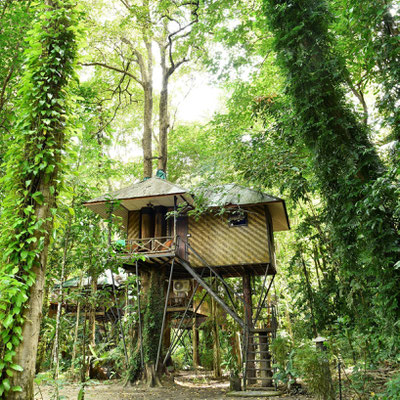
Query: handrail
[{"x": 162, "y": 244}]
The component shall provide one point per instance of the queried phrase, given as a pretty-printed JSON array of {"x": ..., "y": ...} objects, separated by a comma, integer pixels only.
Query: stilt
[
  {"x": 248, "y": 311},
  {"x": 216, "y": 344},
  {"x": 139, "y": 317},
  {"x": 195, "y": 342},
  {"x": 164, "y": 315}
]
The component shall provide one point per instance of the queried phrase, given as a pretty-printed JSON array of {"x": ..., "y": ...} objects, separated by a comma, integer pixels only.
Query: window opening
[{"x": 238, "y": 218}]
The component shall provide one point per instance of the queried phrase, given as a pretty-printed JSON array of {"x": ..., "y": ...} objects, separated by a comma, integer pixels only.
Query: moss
[
  {"x": 153, "y": 315},
  {"x": 152, "y": 310}
]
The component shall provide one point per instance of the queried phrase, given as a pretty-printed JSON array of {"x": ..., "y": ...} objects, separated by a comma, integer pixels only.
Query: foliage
[
  {"x": 15, "y": 19},
  {"x": 283, "y": 353},
  {"x": 392, "y": 390},
  {"x": 359, "y": 206},
  {"x": 34, "y": 159},
  {"x": 313, "y": 366},
  {"x": 373, "y": 58},
  {"x": 229, "y": 357}
]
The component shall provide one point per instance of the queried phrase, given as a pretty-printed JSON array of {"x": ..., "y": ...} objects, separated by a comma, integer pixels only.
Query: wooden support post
[
  {"x": 248, "y": 305},
  {"x": 164, "y": 315},
  {"x": 175, "y": 211},
  {"x": 216, "y": 344},
  {"x": 195, "y": 342},
  {"x": 139, "y": 316}
]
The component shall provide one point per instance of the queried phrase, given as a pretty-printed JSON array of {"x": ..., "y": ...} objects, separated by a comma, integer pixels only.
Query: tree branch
[
  {"x": 173, "y": 67},
  {"x": 126, "y": 4},
  {"x": 5, "y": 83},
  {"x": 104, "y": 65},
  {"x": 360, "y": 96}
]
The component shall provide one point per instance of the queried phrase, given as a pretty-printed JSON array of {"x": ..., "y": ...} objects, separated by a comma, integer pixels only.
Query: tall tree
[
  {"x": 14, "y": 23},
  {"x": 127, "y": 47},
  {"x": 367, "y": 34},
  {"x": 32, "y": 181},
  {"x": 360, "y": 206}
]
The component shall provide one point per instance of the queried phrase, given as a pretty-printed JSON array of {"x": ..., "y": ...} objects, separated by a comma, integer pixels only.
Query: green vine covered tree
[
  {"x": 360, "y": 200},
  {"x": 32, "y": 181}
]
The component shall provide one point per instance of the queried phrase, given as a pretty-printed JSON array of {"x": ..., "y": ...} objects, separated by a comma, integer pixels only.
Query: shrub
[
  {"x": 282, "y": 351},
  {"x": 392, "y": 391},
  {"x": 313, "y": 366}
]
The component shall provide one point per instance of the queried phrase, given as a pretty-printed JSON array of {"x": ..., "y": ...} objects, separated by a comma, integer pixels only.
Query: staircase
[{"x": 258, "y": 361}]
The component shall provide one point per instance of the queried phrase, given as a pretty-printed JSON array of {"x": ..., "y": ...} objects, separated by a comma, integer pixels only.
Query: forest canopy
[{"x": 295, "y": 98}]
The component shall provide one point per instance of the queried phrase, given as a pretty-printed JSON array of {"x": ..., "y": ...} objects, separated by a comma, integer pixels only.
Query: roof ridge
[{"x": 261, "y": 191}]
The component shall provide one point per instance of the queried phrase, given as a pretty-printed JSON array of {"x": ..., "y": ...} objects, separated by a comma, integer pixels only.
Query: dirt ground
[{"x": 185, "y": 386}]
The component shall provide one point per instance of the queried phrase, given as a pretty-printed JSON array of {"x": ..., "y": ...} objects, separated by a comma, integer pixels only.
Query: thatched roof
[
  {"x": 154, "y": 191},
  {"x": 102, "y": 280},
  {"x": 160, "y": 192},
  {"x": 236, "y": 195}
]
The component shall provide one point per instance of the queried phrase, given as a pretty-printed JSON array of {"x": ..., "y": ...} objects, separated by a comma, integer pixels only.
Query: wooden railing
[{"x": 165, "y": 244}]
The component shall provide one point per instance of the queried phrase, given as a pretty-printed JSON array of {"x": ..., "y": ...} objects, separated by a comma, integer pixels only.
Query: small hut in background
[{"x": 76, "y": 288}]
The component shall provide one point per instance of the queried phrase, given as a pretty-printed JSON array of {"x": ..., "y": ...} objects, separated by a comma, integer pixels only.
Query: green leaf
[
  {"x": 8, "y": 321},
  {"x": 16, "y": 367},
  {"x": 6, "y": 384}
]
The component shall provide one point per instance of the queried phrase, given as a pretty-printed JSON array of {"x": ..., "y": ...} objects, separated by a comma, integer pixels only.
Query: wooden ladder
[
  {"x": 258, "y": 369},
  {"x": 258, "y": 363}
]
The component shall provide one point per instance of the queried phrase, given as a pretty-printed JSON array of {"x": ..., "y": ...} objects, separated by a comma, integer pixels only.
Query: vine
[
  {"x": 33, "y": 169},
  {"x": 359, "y": 195}
]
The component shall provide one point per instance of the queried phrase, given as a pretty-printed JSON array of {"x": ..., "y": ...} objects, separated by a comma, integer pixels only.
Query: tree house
[
  {"x": 233, "y": 236},
  {"x": 237, "y": 240}
]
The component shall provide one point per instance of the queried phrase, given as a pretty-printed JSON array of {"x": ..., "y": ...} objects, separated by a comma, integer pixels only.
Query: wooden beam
[{"x": 198, "y": 279}]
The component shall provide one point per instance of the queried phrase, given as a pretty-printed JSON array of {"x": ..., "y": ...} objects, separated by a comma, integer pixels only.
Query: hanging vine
[
  {"x": 34, "y": 164},
  {"x": 360, "y": 197}
]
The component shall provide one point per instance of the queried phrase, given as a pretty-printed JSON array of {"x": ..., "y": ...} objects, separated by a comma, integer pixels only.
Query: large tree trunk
[
  {"x": 163, "y": 113},
  {"x": 26, "y": 352},
  {"x": 148, "y": 130},
  {"x": 153, "y": 282},
  {"x": 360, "y": 209},
  {"x": 146, "y": 69},
  {"x": 39, "y": 143}
]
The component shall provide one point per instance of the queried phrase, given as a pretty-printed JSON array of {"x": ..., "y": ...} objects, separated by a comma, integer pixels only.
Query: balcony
[{"x": 147, "y": 246}]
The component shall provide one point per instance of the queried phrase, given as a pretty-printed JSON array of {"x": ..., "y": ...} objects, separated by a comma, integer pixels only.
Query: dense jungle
[{"x": 186, "y": 184}]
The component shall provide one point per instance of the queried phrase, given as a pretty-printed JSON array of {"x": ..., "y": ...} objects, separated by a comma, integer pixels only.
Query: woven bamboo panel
[
  {"x": 133, "y": 225},
  {"x": 219, "y": 244}
]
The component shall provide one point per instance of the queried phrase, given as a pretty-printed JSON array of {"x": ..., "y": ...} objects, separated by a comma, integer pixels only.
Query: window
[{"x": 238, "y": 218}]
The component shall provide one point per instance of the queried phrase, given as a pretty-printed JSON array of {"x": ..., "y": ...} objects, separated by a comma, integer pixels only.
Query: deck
[{"x": 161, "y": 251}]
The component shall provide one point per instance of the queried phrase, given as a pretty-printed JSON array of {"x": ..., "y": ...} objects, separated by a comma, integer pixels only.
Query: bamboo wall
[
  {"x": 219, "y": 244},
  {"x": 133, "y": 225}
]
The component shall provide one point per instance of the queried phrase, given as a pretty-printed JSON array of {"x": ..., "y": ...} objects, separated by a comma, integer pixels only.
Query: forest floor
[{"x": 185, "y": 386}]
